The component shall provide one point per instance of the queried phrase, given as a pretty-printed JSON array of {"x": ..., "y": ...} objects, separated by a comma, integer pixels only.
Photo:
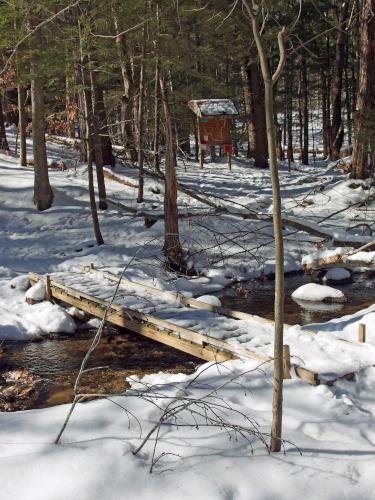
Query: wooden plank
[
  {"x": 132, "y": 315},
  {"x": 202, "y": 346},
  {"x": 189, "y": 302},
  {"x": 361, "y": 332}
]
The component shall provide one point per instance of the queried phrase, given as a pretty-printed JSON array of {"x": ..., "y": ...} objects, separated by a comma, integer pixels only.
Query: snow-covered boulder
[
  {"x": 20, "y": 282},
  {"x": 337, "y": 275},
  {"x": 37, "y": 292},
  {"x": 318, "y": 293},
  {"x": 210, "y": 299}
]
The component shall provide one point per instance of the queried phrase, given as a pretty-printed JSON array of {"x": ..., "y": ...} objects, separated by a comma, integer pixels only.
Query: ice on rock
[
  {"x": 337, "y": 274},
  {"x": 318, "y": 293},
  {"x": 210, "y": 299},
  {"x": 37, "y": 291}
]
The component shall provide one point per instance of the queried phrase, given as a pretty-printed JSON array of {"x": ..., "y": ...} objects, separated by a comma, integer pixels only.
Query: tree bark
[
  {"x": 43, "y": 194},
  {"x": 305, "y": 113},
  {"x": 269, "y": 81},
  {"x": 105, "y": 139},
  {"x": 96, "y": 142},
  {"x": 3, "y": 138},
  {"x": 172, "y": 246},
  {"x": 127, "y": 98},
  {"x": 140, "y": 126},
  {"x": 22, "y": 95},
  {"x": 365, "y": 114},
  {"x": 337, "y": 130}
]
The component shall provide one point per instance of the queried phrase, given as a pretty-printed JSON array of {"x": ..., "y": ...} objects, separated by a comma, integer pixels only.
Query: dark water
[
  {"x": 51, "y": 366},
  {"x": 360, "y": 294},
  {"x": 37, "y": 375}
]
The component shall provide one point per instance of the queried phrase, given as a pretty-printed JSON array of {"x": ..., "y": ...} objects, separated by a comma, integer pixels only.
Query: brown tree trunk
[
  {"x": 97, "y": 144},
  {"x": 140, "y": 126},
  {"x": 305, "y": 113},
  {"x": 43, "y": 194},
  {"x": 248, "y": 101},
  {"x": 127, "y": 98},
  {"x": 337, "y": 130},
  {"x": 172, "y": 246},
  {"x": 105, "y": 139},
  {"x": 22, "y": 95},
  {"x": 3, "y": 138},
  {"x": 81, "y": 113},
  {"x": 259, "y": 117},
  {"x": 325, "y": 119},
  {"x": 269, "y": 81},
  {"x": 289, "y": 117},
  {"x": 365, "y": 119}
]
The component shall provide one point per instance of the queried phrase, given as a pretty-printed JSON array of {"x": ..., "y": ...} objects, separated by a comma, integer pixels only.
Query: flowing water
[{"x": 41, "y": 374}]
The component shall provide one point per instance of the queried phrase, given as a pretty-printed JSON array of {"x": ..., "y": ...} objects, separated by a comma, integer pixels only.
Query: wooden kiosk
[{"x": 214, "y": 117}]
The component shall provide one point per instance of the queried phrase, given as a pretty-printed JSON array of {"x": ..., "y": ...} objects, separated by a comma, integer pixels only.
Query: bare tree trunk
[
  {"x": 22, "y": 95},
  {"x": 105, "y": 139},
  {"x": 269, "y": 80},
  {"x": 305, "y": 113},
  {"x": 81, "y": 113},
  {"x": 289, "y": 118},
  {"x": 325, "y": 119},
  {"x": 248, "y": 101},
  {"x": 89, "y": 124},
  {"x": 140, "y": 127},
  {"x": 3, "y": 138},
  {"x": 365, "y": 119},
  {"x": 259, "y": 118},
  {"x": 127, "y": 98},
  {"x": 43, "y": 194},
  {"x": 337, "y": 130},
  {"x": 96, "y": 143},
  {"x": 172, "y": 246}
]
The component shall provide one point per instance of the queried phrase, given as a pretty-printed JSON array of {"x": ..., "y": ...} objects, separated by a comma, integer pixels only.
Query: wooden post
[
  {"x": 361, "y": 332},
  {"x": 286, "y": 362},
  {"x": 48, "y": 288},
  {"x": 229, "y": 155},
  {"x": 92, "y": 266}
]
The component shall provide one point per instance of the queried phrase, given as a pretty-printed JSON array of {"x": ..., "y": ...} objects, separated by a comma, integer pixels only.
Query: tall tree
[
  {"x": 337, "y": 129},
  {"x": 365, "y": 121}
]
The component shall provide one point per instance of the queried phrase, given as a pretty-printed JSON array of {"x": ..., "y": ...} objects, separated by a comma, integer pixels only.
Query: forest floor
[{"x": 329, "y": 431}]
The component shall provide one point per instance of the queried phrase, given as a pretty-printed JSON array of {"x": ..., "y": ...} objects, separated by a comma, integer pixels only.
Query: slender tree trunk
[
  {"x": 172, "y": 246},
  {"x": 305, "y": 113},
  {"x": 337, "y": 130},
  {"x": 325, "y": 120},
  {"x": 43, "y": 194},
  {"x": 89, "y": 124},
  {"x": 289, "y": 118},
  {"x": 365, "y": 116},
  {"x": 81, "y": 113},
  {"x": 276, "y": 429},
  {"x": 3, "y": 138},
  {"x": 105, "y": 139},
  {"x": 97, "y": 144},
  {"x": 259, "y": 118},
  {"x": 140, "y": 127},
  {"x": 22, "y": 95},
  {"x": 248, "y": 101},
  {"x": 127, "y": 98}
]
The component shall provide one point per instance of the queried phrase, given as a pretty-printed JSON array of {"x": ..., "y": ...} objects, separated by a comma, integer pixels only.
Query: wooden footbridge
[{"x": 167, "y": 317}]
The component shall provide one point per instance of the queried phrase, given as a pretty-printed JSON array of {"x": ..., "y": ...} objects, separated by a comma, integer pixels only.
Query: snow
[
  {"x": 333, "y": 427},
  {"x": 337, "y": 274},
  {"x": 329, "y": 453},
  {"x": 316, "y": 293},
  {"x": 37, "y": 291},
  {"x": 210, "y": 299}
]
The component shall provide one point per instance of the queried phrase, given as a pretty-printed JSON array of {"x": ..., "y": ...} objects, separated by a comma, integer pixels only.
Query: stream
[{"x": 42, "y": 374}]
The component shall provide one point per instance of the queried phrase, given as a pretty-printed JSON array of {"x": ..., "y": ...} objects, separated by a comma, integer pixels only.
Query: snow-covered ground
[{"x": 329, "y": 431}]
